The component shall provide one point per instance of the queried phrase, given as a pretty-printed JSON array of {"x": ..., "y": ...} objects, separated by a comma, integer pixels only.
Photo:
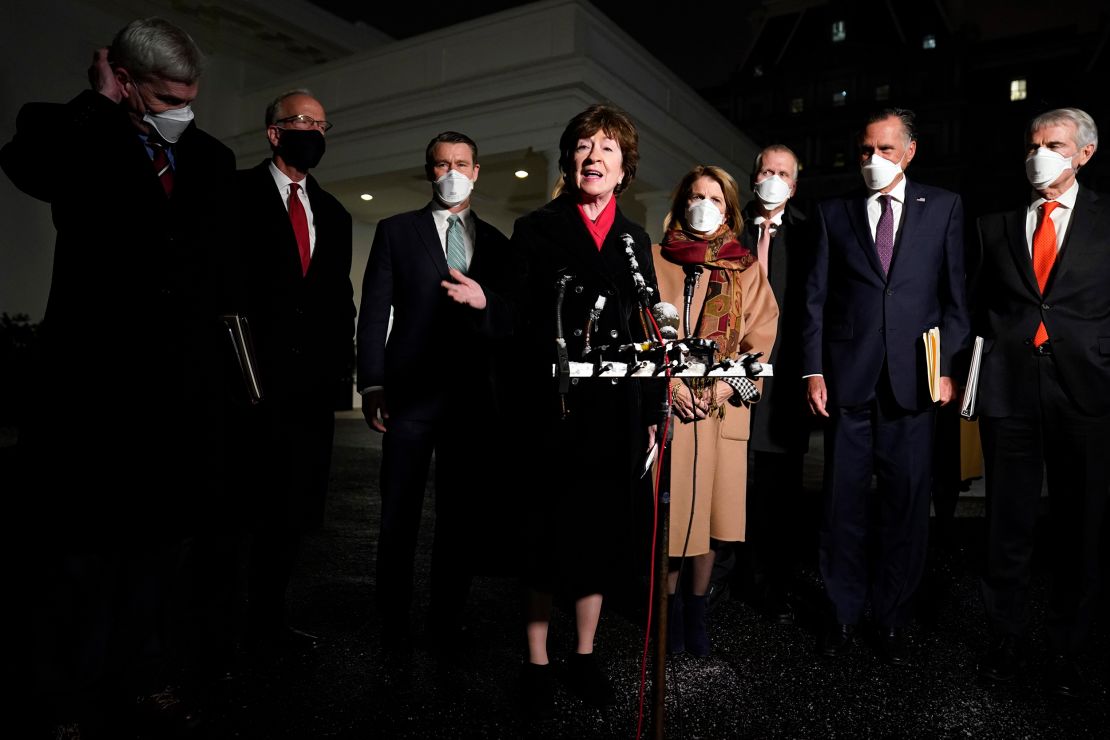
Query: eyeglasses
[{"x": 306, "y": 121}]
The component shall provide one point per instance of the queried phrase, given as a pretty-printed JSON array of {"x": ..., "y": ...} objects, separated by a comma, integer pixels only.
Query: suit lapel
[
  {"x": 857, "y": 214},
  {"x": 1019, "y": 249},
  {"x": 278, "y": 214},
  {"x": 913, "y": 210},
  {"x": 426, "y": 228},
  {"x": 1079, "y": 238}
]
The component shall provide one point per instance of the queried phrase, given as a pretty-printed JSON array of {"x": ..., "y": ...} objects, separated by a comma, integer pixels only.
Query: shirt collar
[
  {"x": 283, "y": 180},
  {"x": 1066, "y": 198},
  {"x": 898, "y": 192},
  {"x": 441, "y": 214},
  {"x": 775, "y": 219}
]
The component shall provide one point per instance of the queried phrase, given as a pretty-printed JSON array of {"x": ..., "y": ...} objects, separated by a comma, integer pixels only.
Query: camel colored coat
[{"x": 719, "y": 497}]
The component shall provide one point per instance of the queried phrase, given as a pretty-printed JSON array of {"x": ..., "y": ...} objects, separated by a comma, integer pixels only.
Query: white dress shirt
[
  {"x": 440, "y": 215},
  {"x": 875, "y": 208},
  {"x": 1061, "y": 217}
]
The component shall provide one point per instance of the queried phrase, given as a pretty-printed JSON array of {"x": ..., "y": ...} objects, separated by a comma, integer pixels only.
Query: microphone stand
[{"x": 693, "y": 275}]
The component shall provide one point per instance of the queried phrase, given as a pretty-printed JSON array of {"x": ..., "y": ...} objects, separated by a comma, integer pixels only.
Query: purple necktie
[{"x": 884, "y": 233}]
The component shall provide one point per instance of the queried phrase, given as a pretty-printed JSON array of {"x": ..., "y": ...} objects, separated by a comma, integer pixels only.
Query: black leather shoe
[
  {"x": 165, "y": 713},
  {"x": 537, "y": 689},
  {"x": 837, "y": 640},
  {"x": 777, "y": 609},
  {"x": 282, "y": 641},
  {"x": 892, "y": 646},
  {"x": 586, "y": 679},
  {"x": 1002, "y": 661},
  {"x": 1064, "y": 678}
]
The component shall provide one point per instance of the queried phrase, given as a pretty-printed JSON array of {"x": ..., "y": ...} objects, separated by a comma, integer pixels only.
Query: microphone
[
  {"x": 595, "y": 314},
  {"x": 666, "y": 316},
  {"x": 693, "y": 274},
  {"x": 642, "y": 289}
]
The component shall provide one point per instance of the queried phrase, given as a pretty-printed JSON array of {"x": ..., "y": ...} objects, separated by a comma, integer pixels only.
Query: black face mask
[{"x": 301, "y": 148}]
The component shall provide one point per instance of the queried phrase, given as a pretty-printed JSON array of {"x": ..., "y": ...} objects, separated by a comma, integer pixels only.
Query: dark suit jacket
[
  {"x": 857, "y": 320},
  {"x": 302, "y": 325},
  {"x": 437, "y": 348},
  {"x": 1075, "y": 308},
  {"x": 132, "y": 324},
  {"x": 780, "y": 421}
]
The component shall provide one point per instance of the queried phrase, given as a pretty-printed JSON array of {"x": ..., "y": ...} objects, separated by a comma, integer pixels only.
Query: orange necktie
[{"x": 1044, "y": 255}]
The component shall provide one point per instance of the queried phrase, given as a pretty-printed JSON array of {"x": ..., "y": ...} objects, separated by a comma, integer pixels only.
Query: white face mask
[
  {"x": 1044, "y": 167},
  {"x": 453, "y": 187},
  {"x": 772, "y": 192},
  {"x": 170, "y": 124},
  {"x": 704, "y": 216},
  {"x": 878, "y": 172}
]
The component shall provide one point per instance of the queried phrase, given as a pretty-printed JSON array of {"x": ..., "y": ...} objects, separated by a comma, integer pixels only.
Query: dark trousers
[
  {"x": 778, "y": 520},
  {"x": 96, "y": 624},
  {"x": 406, "y": 456},
  {"x": 885, "y": 558},
  {"x": 1047, "y": 434}
]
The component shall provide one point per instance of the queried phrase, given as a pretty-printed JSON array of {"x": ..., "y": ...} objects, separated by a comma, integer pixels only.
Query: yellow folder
[{"x": 931, "y": 339}]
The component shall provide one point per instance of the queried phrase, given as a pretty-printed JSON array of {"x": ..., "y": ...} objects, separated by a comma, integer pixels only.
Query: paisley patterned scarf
[{"x": 725, "y": 259}]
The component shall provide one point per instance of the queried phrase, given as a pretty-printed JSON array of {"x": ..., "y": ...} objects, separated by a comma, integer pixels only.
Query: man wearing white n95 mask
[
  {"x": 889, "y": 266},
  {"x": 783, "y": 240},
  {"x": 142, "y": 201},
  {"x": 1042, "y": 305},
  {"x": 435, "y": 267}
]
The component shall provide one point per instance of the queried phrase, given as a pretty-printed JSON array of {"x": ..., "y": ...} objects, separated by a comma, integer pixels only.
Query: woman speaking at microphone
[
  {"x": 731, "y": 304},
  {"x": 584, "y": 273}
]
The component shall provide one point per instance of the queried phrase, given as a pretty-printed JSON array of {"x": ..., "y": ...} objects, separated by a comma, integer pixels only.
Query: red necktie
[
  {"x": 161, "y": 162},
  {"x": 299, "y": 220},
  {"x": 1044, "y": 255}
]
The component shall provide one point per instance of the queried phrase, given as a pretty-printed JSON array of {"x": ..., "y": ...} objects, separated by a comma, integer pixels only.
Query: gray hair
[
  {"x": 758, "y": 165},
  {"x": 154, "y": 47},
  {"x": 275, "y": 105},
  {"x": 1085, "y": 130},
  {"x": 905, "y": 116}
]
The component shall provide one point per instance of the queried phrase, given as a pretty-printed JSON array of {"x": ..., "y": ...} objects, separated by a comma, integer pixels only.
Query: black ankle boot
[
  {"x": 697, "y": 639},
  {"x": 587, "y": 680}
]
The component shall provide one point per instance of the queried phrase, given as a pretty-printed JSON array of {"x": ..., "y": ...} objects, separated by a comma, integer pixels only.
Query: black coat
[
  {"x": 1075, "y": 308},
  {"x": 131, "y": 338},
  {"x": 584, "y": 465},
  {"x": 780, "y": 421},
  {"x": 439, "y": 352},
  {"x": 303, "y": 330}
]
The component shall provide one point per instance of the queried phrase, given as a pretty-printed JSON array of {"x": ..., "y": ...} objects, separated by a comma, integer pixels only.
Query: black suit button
[
  {"x": 578, "y": 288},
  {"x": 890, "y": 292},
  {"x": 577, "y": 332},
  {"x": 613, "y": 333},
  {"x": 1045, "y": 306}
]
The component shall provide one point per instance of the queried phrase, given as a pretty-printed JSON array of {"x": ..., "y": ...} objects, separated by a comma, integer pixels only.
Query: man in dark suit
[
  {"x": 142, "y": 202},
  {"x": 296, "y": 262},
  {"x": 889, "y": 266},
  {"x": 783, "y": 240},
  {"x": 429, "y": 388},
  {"x": 1042, "y": 306}
]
